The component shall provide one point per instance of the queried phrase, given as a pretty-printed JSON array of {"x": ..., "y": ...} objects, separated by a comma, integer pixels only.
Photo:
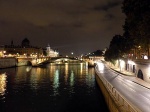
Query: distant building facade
[
  {"x": 2, "y": 51},
  {"x": 139, "y": 53},
  {"x": 25, "y": 49},
  {"x": 50, "y": 52}
]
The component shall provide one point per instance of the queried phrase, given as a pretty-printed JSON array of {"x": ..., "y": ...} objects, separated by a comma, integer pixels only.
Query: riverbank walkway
[
  {"x": 132, "y": 77},
  {"x": 129, "y": 92}
]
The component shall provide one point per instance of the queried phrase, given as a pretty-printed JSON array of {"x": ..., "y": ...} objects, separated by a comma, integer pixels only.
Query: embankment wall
[
  {"x": 115, "y": 101},
  {"x": 110, "y": 102},
  {"x": 7, "y": 62}
]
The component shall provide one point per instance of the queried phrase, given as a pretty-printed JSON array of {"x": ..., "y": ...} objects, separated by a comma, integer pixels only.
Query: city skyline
[{"x": 69, "y": 26}]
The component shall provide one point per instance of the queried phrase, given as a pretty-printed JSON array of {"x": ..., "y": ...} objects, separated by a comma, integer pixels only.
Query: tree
[
  {"x": 137, "y": 22},
  {"x": 116, "y": 48}
]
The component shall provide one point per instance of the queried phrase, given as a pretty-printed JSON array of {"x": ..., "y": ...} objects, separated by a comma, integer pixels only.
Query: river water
[{"x": 50, "y": 88}]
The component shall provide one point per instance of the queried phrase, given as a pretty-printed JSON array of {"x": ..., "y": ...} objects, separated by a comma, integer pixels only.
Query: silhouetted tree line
[
  {"x": 136, "y": 30},
  {"x": 95, "y": 53}
]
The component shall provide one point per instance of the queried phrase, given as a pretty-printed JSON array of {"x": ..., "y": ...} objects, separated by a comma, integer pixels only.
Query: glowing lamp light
[
  {"x": 100, "y": 66},
  {"x": 131, "y": 62},
  {"x": 122, "y": 64},
  {"x": 145, "y": 57}
]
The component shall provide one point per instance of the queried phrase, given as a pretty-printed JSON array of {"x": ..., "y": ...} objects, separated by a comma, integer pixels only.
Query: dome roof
[{"x": 25, "y": 42}]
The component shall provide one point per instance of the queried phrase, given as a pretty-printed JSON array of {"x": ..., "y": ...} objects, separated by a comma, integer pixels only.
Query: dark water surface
[{"x": 50, "y": 88}]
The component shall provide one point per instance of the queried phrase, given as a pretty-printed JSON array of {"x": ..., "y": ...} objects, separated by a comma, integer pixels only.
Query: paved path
[
  {"x": 135, "y": 79},
  {"x": 135, "y": 90}
]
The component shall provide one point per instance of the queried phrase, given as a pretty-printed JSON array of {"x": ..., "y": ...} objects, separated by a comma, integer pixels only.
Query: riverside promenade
[
  {"x": 123, "y": 91},
  {"x": 131, "y": 76}
]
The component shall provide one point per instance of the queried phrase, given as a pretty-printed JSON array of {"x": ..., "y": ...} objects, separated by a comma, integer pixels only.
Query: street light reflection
[
  {"x": 3, "y": 78},
  {"x": 56, "y": 82},
  {"x": 28, "y": 69},
  {"x": 66, "y": 72},
  {"x": 81, "y": 69},
  {"x": 72, "y": 78}
]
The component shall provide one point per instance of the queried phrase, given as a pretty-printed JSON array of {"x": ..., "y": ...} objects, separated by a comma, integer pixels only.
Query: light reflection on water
[
  {"x": 56, "y": 82},
  {"x": 72, "y": 78},
  {"x": 3, "y": 81},
  {"x": 49, "y": 88}
]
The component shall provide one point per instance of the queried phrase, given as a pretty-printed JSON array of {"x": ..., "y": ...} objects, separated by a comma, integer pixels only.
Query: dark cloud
[
  {"x": 107, "y": 6},
  {"x": 109, "y": 16},
  {"x": 69, "y": 25}
]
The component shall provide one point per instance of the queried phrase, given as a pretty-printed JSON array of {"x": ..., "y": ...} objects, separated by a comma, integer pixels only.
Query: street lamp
[
  {"x": 4, "y": 52},
  {"x": 72, "y": 54}
]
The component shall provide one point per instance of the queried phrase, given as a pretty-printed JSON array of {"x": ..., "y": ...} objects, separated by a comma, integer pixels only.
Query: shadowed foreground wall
[{"x": 110, "y": 102}]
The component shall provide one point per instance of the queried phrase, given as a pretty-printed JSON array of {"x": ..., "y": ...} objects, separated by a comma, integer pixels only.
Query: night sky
[{"x": 78, "y": 26}]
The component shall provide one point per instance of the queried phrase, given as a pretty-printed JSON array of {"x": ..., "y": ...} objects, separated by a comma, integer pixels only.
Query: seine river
[{"x": 50, "y": 88}]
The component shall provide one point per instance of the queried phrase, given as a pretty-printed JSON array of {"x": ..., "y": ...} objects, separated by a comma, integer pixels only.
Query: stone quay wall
[
  {"x": 114, "y": 100},
  {"x": 109, "y": 100},
  {"x": 7, "y": 62}
]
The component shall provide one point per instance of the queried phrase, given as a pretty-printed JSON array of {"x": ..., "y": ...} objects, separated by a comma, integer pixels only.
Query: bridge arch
[
  {"x": 29, "y": 63},
  {"x": 64, "y": 60},
  {"x": 140, "y": 74}
]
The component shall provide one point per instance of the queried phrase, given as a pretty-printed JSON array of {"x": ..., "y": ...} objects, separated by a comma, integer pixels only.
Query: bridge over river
[{"x": 42, "y": 60}]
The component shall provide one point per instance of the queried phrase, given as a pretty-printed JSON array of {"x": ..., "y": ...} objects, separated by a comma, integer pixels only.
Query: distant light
[
  {"x": 131, "y": 62},
  {"x": 100, "y": 66},
  {"x": 122, "y": 63},
  {"x": 145, "y": 57}
]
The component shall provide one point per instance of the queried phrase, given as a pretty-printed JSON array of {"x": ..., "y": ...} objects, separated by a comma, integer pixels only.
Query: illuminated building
[
  {"x": 50, "y": 52},
  {"x": 25, "y": 49},
  {"x": 139, "y": 53}
]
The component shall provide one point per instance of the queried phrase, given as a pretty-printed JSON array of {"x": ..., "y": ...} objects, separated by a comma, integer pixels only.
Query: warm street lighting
[
  {"x": 4, "y": 52},
  {"x": 145, "y": 57}
]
